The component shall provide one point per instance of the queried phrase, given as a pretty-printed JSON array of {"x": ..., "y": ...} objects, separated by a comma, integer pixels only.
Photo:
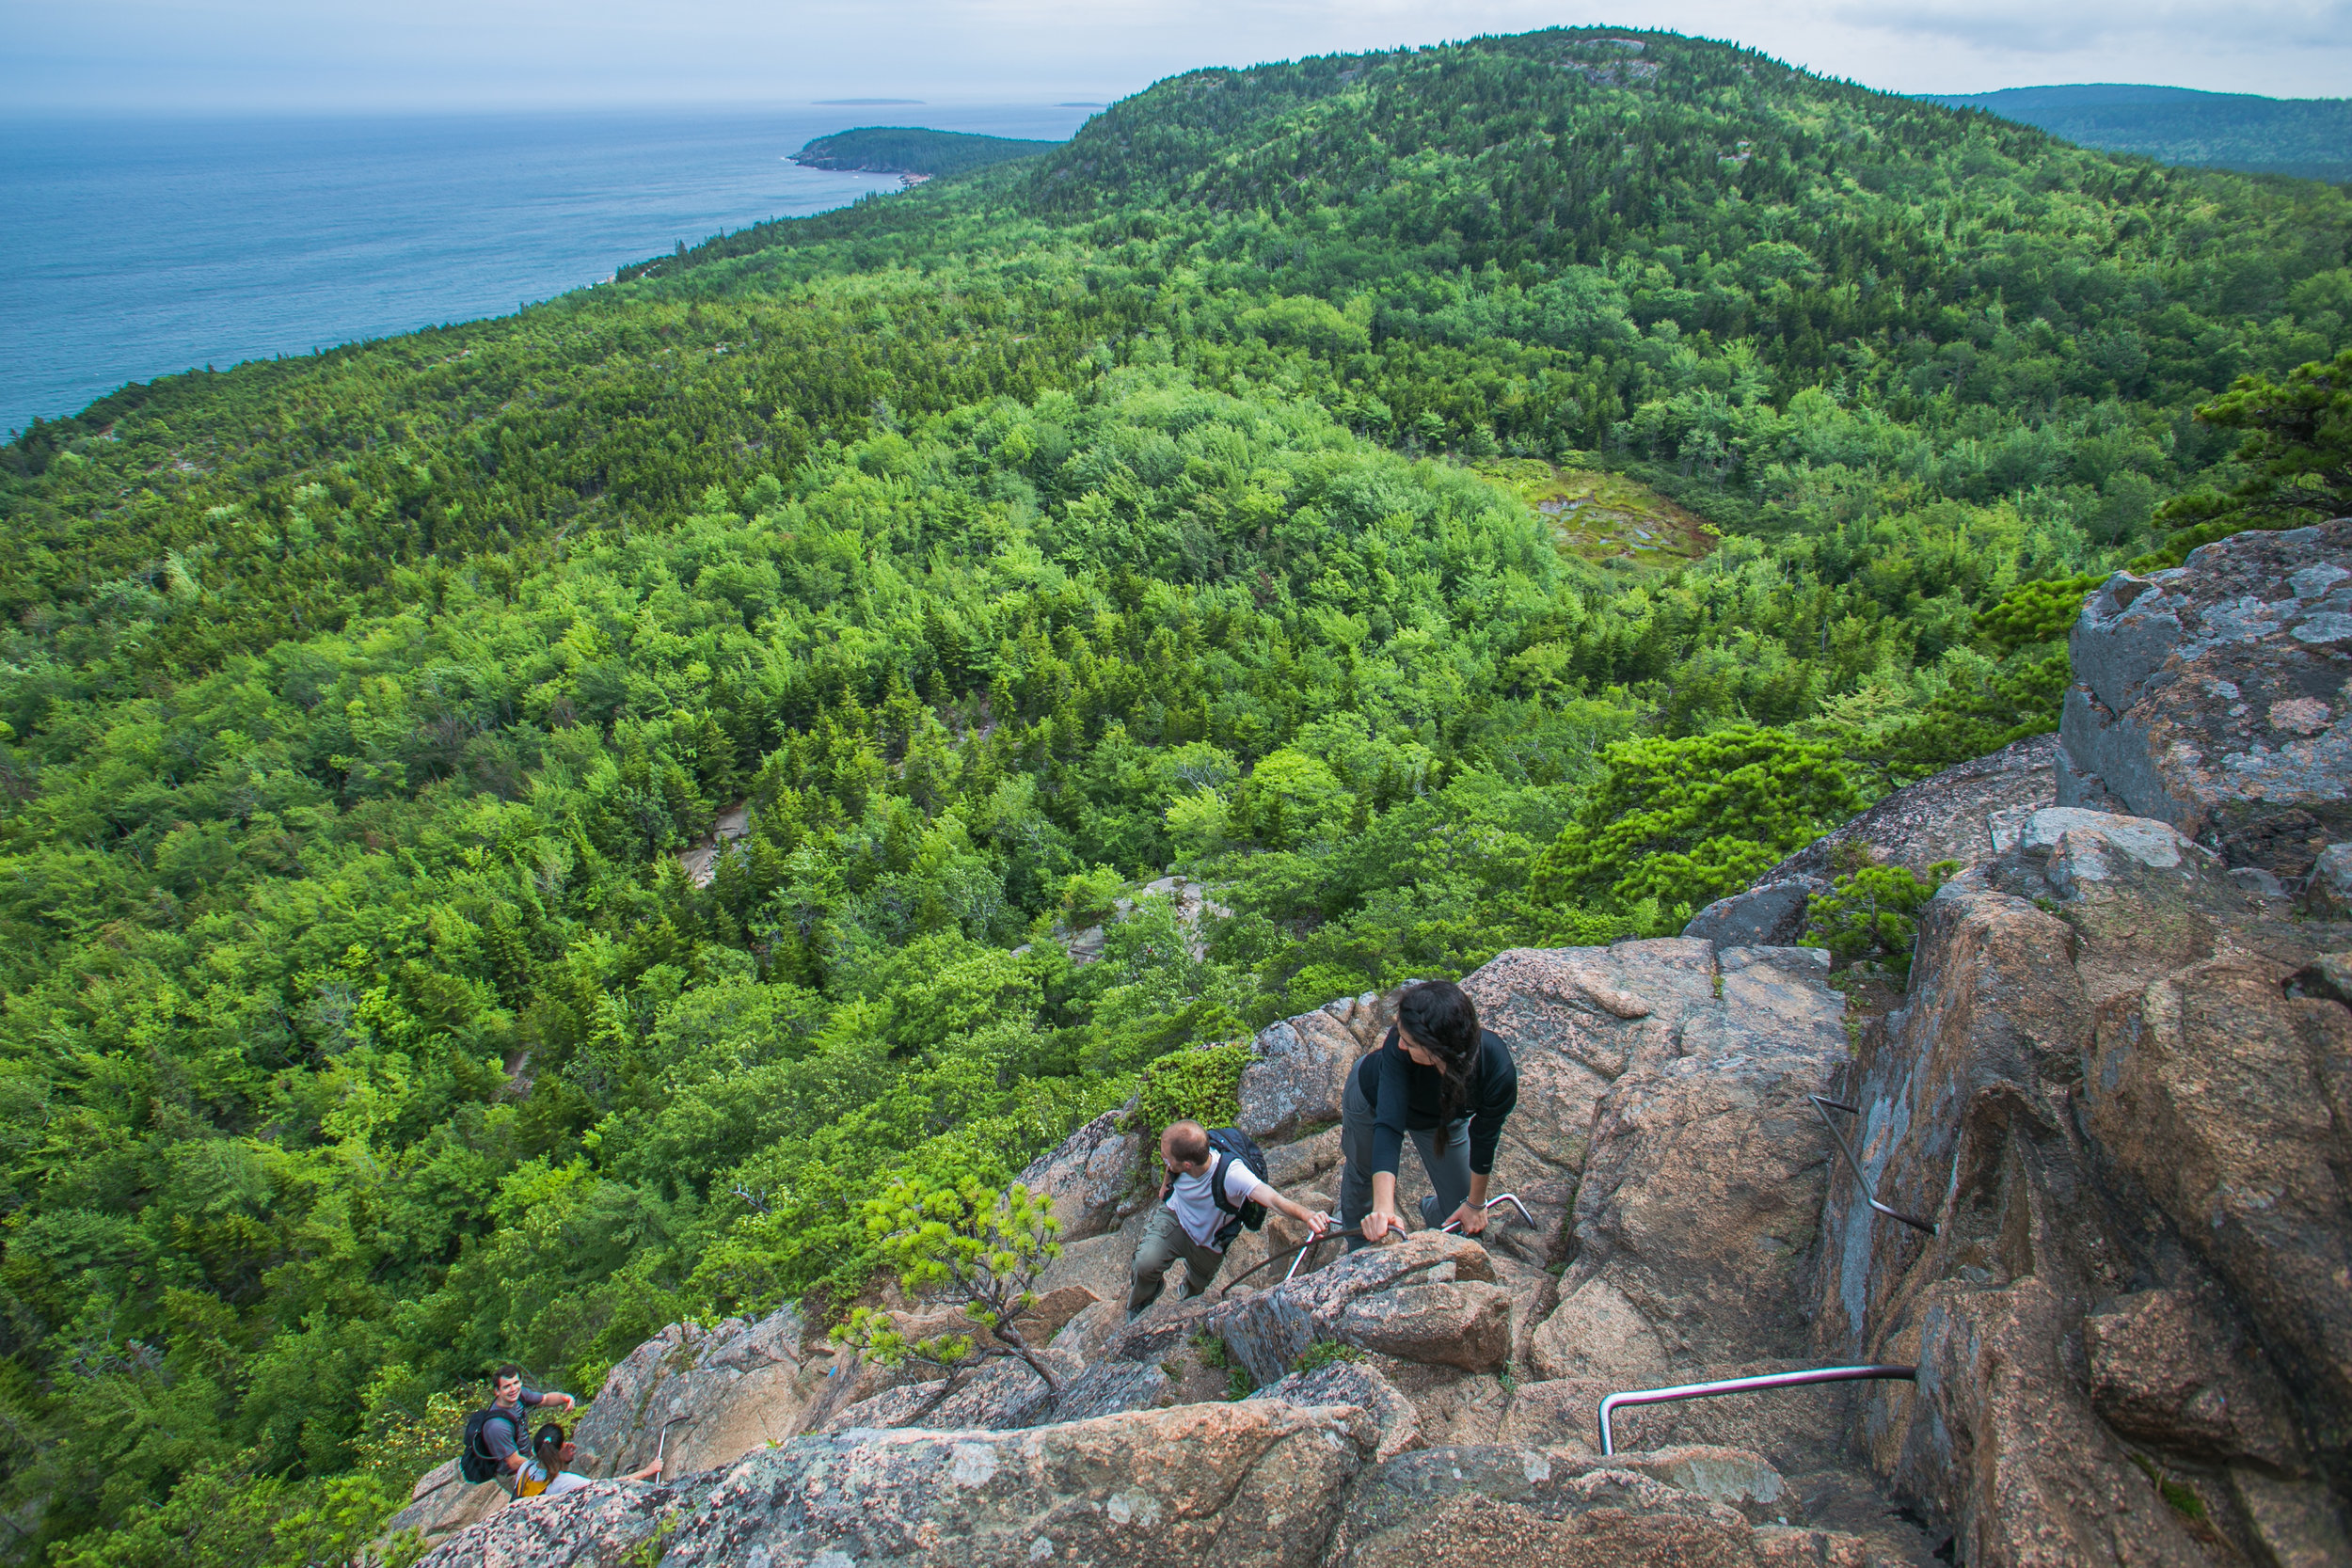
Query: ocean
[{"x": 137, "y": 248}]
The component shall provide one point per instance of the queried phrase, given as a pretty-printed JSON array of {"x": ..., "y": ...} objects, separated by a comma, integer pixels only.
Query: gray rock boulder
[
  {"x": 1772, "y": 915},
  {"x": 1463, "y": 1324},
  {"x": 2105, "y": 1094},
  {"x": 1091, "y": 1176},
  {"x": 1258, "y": 1482},
  {"x": 2214, "y": 697},
  {"x": 1361, "y": 1386},
  {"x": 1698, "y": 1218},
  {"x": 1267, "y": 1332},
  {"x": 719, "y": 1392},
  {"x": 601, "y": 1525},
  {"x": 1115, "y": 1388},
  {"x": 1489, "y": 1503}
]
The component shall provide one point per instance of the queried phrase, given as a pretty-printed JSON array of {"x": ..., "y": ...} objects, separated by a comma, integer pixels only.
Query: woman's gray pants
[{"x": 1449, "y": 1173}]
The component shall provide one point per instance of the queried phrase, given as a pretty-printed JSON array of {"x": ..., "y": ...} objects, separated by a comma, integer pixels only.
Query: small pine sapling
[
  {"x": 981, "y": 1245},
  {"x": 1873, "y": 913}
]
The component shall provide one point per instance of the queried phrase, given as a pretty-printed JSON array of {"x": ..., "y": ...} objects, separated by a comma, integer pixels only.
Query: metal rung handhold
[
  {"x": 1511, "y": 1198},
  {"x": 1614, "y": 1402},
  {"x": 1825, "y": 1105}
]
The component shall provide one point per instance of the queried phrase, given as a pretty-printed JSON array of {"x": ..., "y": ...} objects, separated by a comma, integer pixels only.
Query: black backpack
[
  {"x": 1234, "y": 1144},
  {"x": 475, "y": 1461}
]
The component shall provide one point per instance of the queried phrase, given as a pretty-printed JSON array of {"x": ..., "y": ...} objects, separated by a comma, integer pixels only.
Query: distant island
[
  {"x": 913, "y": 151},
  {"x": 2307, "y": 137}
]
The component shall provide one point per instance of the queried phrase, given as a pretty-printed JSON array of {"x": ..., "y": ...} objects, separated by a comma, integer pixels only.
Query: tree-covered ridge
[
  {"x": 912, "y": 149},
  {"x": 2308, "y": 137},
  {"x": 995, "y": 543}
]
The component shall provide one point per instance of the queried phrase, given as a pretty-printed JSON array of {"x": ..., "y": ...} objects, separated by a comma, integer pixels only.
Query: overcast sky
[{"x": 174, "y": 55}]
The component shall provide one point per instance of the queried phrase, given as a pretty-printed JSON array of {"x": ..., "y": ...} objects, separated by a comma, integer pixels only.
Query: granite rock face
[
  {"x": 1489, "y": 1503},
  {"x": 1357, "y": 1384},
  {"x": 443, "y": 1502},
  {"x": 1091, "y": 1176},
  {"x": 1700, "y": 1205},
  {"x": 2118, "y": 1088},
  {"x": 1003, "y": 1393},
  {"x": 1267, "y": 1332},
  {"x": 1963, "y": 814},
  {"x": 605, "y": 1524},
  {"x": 2215, "y": 697},
  {"x": 1301, "y": 1072},
  {"x": 1772, "y": 915},
  {"x": 1453, "y": 1323},
  {"x": 2131, "y": 1138},
  {"x": 719, "y": 1393},
  {"x": 1258, "y": 1482},
  {"x": 1578, "y": 1019}
]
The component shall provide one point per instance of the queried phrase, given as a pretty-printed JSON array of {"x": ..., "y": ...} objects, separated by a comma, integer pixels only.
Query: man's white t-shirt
[{"x": 1195, "y": 1205}]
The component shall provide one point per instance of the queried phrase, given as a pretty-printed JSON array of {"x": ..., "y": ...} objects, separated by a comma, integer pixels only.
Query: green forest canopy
[{"x": 993, "y": 544}]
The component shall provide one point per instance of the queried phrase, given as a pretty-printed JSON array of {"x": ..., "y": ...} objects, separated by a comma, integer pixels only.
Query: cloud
[
  {"x": 378, "y": 54},
  {"x": 2017, "y": 27}
]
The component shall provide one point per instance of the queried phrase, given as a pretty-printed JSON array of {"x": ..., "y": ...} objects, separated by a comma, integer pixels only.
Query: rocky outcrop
[
  {"x": 1697, "y": 1216},
  {"x": 717, "y": 1393},
  {"x": 1252, "y": 1484},
  {"x": 1357, "y": 1384},
  {"x": 2215, "y": 697},
  {"x": 1577, "y": 1018},
  {"x": 1489, "y": 1503},
  {"x": 1772, "y": 915},
  {"x": 1369, "y": 1299},
  {"x": 701, "y": 863},
  {"x": 1191, "y": 902},
  {"x": 1302, "y": 1071},
  {"x": 2132, "y": 1320},
  {"x": 1962, "y": 814},
  {"x": 442, "y": 1503},
  {"x": 2118, "y": 1088},
  {"x": 1090, "y": 1178},
  {"x": 606, "y": 1524}
]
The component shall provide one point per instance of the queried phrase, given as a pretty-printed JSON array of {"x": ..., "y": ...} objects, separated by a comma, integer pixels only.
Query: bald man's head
[{"x": 1185, "y": 1144}]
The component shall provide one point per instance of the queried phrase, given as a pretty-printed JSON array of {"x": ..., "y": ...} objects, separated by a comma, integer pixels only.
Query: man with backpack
[
  {"x": 1215, "y": 1186},
  {"x": 493, "y": 1436}
]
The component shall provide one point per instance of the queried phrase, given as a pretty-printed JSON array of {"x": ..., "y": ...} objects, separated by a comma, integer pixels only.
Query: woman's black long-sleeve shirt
[{"x": 1405, "y": 1098}]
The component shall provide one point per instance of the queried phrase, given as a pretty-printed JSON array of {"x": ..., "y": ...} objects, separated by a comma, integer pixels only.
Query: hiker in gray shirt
[
  {"x": 1189, "y": 1224},
  {"x": 503, "y": 1434}
]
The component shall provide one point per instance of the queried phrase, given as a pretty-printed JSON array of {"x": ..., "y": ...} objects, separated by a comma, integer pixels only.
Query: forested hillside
[
  {"x": 1163, "y": 502},
  {"x": 2309, "y": 137}
]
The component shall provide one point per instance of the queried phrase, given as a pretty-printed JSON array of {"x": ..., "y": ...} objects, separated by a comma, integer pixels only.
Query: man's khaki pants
[{"x": 1164, "y": 1242}]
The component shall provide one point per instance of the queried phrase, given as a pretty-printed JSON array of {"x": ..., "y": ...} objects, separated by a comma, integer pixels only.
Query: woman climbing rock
[{"x": 1448, "y": 1083}]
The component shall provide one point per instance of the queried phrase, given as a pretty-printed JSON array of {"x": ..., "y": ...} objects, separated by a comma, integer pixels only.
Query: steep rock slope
[
  {"x": 2130, "y": 1131},
  {"x": 2116, "y": 1105}
]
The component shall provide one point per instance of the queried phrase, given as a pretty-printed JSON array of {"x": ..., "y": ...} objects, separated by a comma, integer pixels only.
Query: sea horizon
[{"x": 149, "y": 247}]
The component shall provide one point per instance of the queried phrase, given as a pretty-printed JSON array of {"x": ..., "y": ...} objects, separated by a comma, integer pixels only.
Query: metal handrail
[
  {"x": 1297, "y": 1255},
  {"x": 1614, "y": 1402},
  {"x": 1823, "y": 1105},
  {"x": 1511, "y": 1198}
]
